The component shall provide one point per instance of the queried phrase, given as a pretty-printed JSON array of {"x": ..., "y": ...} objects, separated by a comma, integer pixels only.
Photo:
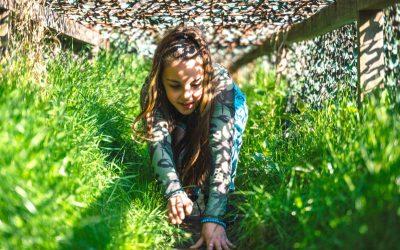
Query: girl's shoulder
[
  {"x": 220, "y": 72},
  {"x": 222, "y": 80}
]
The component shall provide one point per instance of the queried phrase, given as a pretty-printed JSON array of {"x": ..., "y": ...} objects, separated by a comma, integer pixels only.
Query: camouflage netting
[
  {"x": 232, "y": 27},
  {"x": 392, "y": 47},
  {"x": 317, "y": 69}
]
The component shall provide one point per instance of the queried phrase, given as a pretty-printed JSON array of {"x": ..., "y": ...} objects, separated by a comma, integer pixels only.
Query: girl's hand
[
  {"x": 214, "y": 236},
  {"x": 179, "y": 205}
]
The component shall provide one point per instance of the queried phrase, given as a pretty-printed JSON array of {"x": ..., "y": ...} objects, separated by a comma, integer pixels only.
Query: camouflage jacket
[{"x": 220, "y": 142}]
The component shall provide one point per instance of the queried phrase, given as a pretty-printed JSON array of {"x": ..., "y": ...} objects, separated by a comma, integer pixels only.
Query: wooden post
[
  {"x": 3, "y": 30},
  {"x": 371, "y": 67}
]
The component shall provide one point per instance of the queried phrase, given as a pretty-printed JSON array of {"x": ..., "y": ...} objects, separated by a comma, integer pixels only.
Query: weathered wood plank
[
  {"x": 60, "y": 23},
  {"x": 371, "y": 65},
  {"x": 332, "y": 17}
]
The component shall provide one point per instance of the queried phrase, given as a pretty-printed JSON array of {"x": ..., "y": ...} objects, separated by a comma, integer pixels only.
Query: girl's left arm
[{"x": 221, "y": 142}]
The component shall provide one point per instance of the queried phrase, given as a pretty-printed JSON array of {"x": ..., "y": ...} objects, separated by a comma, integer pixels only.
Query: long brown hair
[{"x": 181, "y": 42}]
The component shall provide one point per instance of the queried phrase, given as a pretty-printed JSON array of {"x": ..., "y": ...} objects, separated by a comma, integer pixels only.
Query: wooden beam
[
  {"x": 371, "y": 65},
  {"x": 60, "y": 23},
  {"x": 332, "y": 17}
]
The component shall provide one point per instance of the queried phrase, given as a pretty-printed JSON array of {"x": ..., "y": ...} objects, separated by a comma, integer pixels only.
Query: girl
[{"x": 194, "y": 117}]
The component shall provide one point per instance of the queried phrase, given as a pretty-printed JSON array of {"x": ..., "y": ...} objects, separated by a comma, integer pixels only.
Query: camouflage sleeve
[
  {"x": 221, "y": 142},
  {"x": 161, "y": 156}
]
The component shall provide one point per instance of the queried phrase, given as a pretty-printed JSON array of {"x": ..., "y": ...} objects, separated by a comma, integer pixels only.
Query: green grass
[
  {"x": 73, "y": 178},
  {"x": 71, "y": 175},
  {"x": 319, "y": 179}
]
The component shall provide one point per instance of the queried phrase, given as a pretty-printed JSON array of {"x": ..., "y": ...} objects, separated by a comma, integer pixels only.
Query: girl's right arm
[
  {"x": 162, "y": 162},
  {"x": 161, "y": 156}
]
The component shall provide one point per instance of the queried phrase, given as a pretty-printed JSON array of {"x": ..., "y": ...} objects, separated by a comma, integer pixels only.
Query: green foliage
[
  {"x": 71, "y": 175},
  {"x": 318, "y": 179}
]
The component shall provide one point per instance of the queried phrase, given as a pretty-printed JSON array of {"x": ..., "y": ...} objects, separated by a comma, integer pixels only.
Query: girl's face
[{"x": 182, "y": 80}]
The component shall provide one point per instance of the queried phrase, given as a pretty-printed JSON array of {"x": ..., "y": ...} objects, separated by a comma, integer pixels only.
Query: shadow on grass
[{"x": 106, "y": 215}]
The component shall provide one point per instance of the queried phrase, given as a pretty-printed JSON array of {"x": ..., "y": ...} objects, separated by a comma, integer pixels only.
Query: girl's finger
[
  {"x": 178, "y": 218},
  {"x": 175, "y": 218},
  {"x": 170, "y": 216},
  {"x": 198, "y": 244},
  {"x": 188, "y": 207},
  {"x": 173, "y": 206},
  {"x": 230, "y": 243},
  {"x": 214, "y": 245},
  {"x": 179, "y": 208},
  {"x": 181, "y": 214},
  {"x": 224, "y": 245}
]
